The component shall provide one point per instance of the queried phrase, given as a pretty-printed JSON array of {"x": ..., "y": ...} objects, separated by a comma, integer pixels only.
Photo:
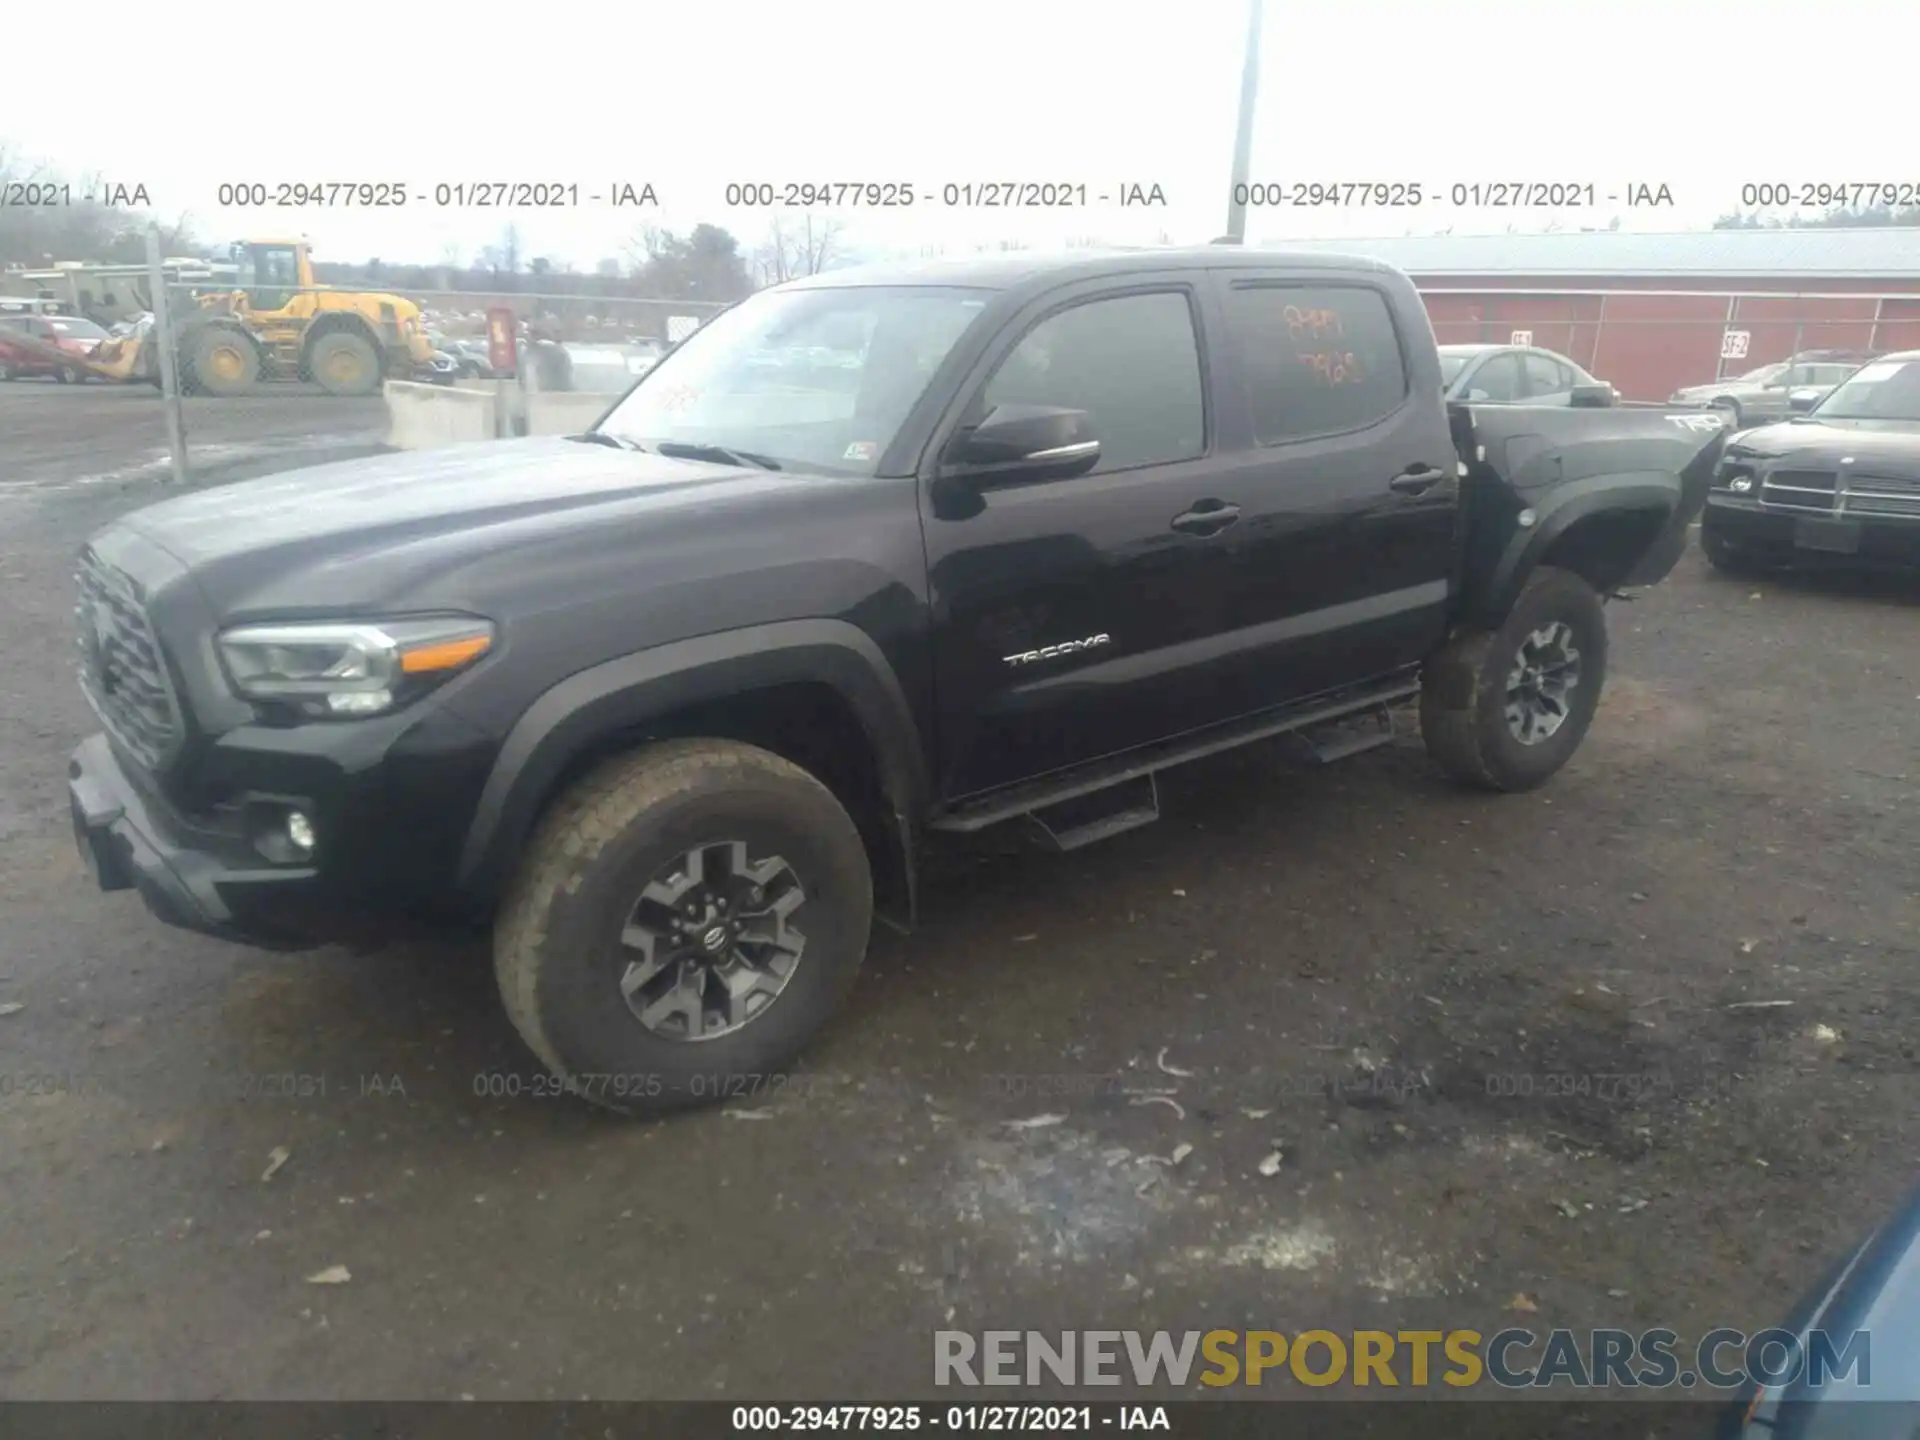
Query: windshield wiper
[
  {"x": 600, "y": 437},
  {"x": 685, "y": 450}
]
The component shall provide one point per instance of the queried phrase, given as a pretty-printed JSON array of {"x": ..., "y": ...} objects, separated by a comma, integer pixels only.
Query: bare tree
[{"x": 791, "y": 250}]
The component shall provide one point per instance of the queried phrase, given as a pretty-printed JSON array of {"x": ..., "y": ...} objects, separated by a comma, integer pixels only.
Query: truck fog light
[
  {"x": 300, "y": 831},
  {"x": 1526, "y": 518},
  {"x": 359, "y": 702}
]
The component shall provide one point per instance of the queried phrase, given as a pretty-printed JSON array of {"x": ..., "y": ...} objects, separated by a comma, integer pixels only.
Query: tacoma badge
[{"x": 1065, "y": 647}]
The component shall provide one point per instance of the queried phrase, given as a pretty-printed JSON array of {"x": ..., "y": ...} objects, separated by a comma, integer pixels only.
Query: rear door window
[{"x": 1318, "y": 359}]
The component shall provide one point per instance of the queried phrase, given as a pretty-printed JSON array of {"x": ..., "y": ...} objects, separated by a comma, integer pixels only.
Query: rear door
[
  {"x": 1342, "y": 565},
  {"x": 1067, "y": 613}
]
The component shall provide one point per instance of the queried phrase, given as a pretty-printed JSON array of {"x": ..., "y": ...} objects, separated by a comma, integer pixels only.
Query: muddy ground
[{"x": 1493, "y": 1040}]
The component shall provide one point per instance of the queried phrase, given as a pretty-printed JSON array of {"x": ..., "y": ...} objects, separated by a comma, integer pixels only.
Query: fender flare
[
  {"x": 627, "y": 692},
  {"x": 1647, "y": 490}
]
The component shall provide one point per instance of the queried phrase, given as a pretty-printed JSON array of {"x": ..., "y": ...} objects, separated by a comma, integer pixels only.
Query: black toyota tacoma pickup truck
[{"x": 672, "y": 706}]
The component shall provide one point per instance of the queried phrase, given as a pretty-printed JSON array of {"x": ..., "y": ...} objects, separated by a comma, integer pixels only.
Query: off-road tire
[
  {"x": 1463, "y": 689},
  {"x": 1728, "y": 559},
  {"x": 236, "y": 374},
  {"x": 556, "y": 947},
  {"x": 343, "y": 363}
]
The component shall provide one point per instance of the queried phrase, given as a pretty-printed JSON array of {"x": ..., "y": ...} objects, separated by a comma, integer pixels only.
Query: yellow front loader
[{"x": 276, "y": 324}]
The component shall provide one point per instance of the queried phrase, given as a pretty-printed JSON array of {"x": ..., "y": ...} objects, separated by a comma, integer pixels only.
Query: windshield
[
  {"x": 1451, "y": 366},
  {"x": 1762, "y": 375},
  {"x": 813, "y": 379},
  {"x": 1885, "y": 390},
  {"x": 80, "y": 329}
]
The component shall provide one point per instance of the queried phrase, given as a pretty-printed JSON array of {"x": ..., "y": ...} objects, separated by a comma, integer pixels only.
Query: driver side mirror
[
  {"x": 1594, "y": 397},
  {"x": 1015, "y": 444},
  {"x": 1801, "y": 401}
]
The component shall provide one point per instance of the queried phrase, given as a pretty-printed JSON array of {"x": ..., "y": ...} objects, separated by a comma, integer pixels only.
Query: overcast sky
[{"x": 1701, "y": 97}]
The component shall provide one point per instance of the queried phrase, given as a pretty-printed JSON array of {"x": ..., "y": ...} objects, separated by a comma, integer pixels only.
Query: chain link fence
[
  {"x": 254, "y": 367},
  {"x": 1652, "y": 344}
]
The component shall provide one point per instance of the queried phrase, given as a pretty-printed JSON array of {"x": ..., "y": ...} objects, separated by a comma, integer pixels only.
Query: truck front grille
[
  {"x": 1800, "y": 489},
  {"x": 1882, "y": 495},
  {"x": 122, "y": 671}
]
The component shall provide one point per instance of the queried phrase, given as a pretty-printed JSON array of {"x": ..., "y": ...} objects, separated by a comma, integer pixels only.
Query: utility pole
[
  {"x": 1243, "y": 137},
  {"x": 163, "y": 342}
]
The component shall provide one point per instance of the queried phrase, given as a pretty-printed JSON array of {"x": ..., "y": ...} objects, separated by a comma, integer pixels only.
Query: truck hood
[
  {"x": 1875, "y": 447},
  {"x": 362, "y": 529}
]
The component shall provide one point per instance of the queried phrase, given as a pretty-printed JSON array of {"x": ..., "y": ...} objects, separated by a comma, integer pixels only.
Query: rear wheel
[
  {"x": 345, "y": 364},
  {"x": 1504, "y": 709},
  {"x": 683, "y": 922},
  {"x": 224, "y": 361}
]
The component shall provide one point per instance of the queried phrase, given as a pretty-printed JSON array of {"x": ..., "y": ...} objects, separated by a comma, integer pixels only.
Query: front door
[{"x": 1066, "y": 610}]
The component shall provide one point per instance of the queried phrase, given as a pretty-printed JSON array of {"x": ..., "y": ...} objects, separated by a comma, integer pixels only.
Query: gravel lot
[{"x": 1491, "y": 1039}]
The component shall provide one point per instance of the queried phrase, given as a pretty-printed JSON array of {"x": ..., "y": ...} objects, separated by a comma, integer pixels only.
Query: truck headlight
[{"x": 341, "y": 669}]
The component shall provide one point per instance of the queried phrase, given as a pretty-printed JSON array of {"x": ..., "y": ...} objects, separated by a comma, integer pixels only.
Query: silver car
[
  {"x": 1510, "y": 375},
  {"x": 1773, "y": 392}
]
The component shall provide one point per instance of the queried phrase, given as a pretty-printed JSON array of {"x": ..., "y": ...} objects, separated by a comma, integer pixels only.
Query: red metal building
[{"x": 1652, "y": 313}]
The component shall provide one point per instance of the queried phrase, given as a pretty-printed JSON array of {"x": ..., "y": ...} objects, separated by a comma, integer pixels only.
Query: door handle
[
  {"x": 1417, "y": 481},
  {"x": 1207, "y": 517}
]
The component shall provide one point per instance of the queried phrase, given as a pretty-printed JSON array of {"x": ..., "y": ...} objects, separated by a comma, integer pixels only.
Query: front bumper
[
  {"x": 1783, "y": 536},
  {"x": 195, "y": 880}
]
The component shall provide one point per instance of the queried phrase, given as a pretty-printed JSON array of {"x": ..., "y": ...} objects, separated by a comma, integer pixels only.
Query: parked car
[
  {"x": 442, "y": 368},
  {"x": 1848, "y": 1374},
  {"x": 1841, "y": 481},
  {"x": 1766, "y": 394},
  {"x": 47, "y": 345},
  {"x": 596, "y": 369},
  {"x": 472, "y": 360},
  {"x": 670, "y": 707},
  {"x": 1515, "y": 375}
]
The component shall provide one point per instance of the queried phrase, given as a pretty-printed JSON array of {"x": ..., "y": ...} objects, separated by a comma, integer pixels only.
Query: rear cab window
[{"x": 1317, "y": 359}]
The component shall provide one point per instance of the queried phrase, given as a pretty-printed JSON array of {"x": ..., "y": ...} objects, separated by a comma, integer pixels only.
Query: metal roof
[{"x": 1882, "y": 252}]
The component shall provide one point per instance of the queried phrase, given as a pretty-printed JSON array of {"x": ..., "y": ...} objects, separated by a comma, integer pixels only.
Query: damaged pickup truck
[{"x": 670, "y": 707}]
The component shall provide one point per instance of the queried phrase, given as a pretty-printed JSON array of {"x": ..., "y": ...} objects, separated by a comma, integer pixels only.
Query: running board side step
[
  {"x": 1099, "y": 775},
  {"x": 1113, "y": 811},
  {"x": 1337, "y": 739}
]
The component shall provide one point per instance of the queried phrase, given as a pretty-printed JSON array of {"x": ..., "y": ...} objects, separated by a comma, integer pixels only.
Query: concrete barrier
[
  {"x": 564, "y": 412},
  {"x": 425, "y": 417}
]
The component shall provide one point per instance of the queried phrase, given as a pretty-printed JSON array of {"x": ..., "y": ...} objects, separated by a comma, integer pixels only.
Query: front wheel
[
  {"x": 1504, "y": 709},
  {"x": 683, "y": 922},
  {"x": 223, "y": 361}
]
